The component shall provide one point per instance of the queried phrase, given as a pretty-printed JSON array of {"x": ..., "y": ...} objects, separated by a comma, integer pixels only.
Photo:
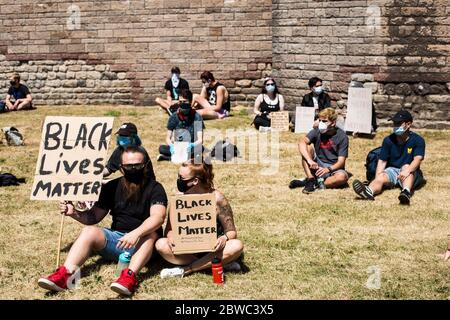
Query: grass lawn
[{"x": 318, "y": 246}]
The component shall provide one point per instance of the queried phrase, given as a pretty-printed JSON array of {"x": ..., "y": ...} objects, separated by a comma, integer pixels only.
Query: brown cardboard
[
  {"x": 193, "y": 226},
  {"x": 71, "y": 158},
  {"x": 280, "y": 120}
]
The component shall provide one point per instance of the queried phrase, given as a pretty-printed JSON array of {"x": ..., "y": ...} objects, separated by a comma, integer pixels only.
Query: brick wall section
[
  {"x": 122, "y": 51},
  {"x": 400, "y": 49}
]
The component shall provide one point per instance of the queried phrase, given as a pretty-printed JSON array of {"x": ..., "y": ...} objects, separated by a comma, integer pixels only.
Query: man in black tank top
[{"x": 214, "y": 100}]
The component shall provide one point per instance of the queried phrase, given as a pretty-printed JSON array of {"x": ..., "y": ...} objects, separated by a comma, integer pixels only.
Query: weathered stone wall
[
  {"x": 399, "y": 48},
  {"x": 78, "y": 52}
]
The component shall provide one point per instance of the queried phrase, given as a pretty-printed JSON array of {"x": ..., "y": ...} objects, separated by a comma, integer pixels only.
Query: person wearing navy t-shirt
[
  {"x": 18, "y": 97},
  {"x": 402, "y": 152}
]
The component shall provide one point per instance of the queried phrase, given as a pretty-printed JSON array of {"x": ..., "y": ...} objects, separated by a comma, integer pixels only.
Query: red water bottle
[{"x": 217, "y": 271}]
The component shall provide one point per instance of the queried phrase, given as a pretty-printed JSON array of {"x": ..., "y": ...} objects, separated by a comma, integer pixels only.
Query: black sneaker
[
  {"x": 362, "y": 190},
  {"x": 162, "y": 157},
  {"x": 310, "y": 186},
  {"x": 297, "y": 183},
  {"x": 404, "y": 197}
]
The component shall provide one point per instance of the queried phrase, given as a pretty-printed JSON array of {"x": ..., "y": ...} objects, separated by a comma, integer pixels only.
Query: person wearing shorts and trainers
[
  {"x": 402, "y": 152},
  {"x": 138, "y": 208},
  {"x": 326, "y": 160}
]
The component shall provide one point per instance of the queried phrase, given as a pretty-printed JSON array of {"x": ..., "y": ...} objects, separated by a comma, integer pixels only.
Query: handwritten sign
[
  {"x": 71, "y": 158},
  {"x": 359, "y": 110},
  {"x": 304, "y": 119},
  {"x": 280, "y": 120},
  {"x": 193, "y": 221}
]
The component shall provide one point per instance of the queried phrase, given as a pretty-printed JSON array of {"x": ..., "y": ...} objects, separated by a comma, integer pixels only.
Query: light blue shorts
[
  {"x": 110, "y": 251},
  {"x": 395, "y": 182}
]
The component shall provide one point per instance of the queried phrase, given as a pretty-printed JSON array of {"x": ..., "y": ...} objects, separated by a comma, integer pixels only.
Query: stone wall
[
  {"x": 400, "y": 49},
  {"x": 78, "y": 52}
]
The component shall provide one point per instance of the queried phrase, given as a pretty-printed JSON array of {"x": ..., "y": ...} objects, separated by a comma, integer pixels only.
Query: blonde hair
[
  {"x": 328, "y": 113},
  {"x": 202, "y": 171}
]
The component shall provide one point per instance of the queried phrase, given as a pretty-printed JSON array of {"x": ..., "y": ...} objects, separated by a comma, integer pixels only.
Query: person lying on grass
[
  {"x": 324, "y": 151},
  {"x": 138, "y": 208},
  {"x": 197, "y": 179},
  {"x": 402, "y": 152}
]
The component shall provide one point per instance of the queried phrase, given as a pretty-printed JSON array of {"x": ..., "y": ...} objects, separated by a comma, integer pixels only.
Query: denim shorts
[
  {"x": 395, "y": 182},
  {"x": 110, "y": 251},
  {"x": 327, "y": 165}
]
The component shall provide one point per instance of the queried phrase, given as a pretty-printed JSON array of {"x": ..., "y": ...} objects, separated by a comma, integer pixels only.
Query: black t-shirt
[
  {"x": 129, "y": 216},
  {"x": 185, "y": 131},
  {"x": 19, "y": 93},
  {"x": 113, "y": 163},
  {"x": 212, "y": 97},
  {"x": 175, "y": 92}
]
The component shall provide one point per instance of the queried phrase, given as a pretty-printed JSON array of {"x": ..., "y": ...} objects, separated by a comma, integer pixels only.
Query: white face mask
[
  {"x": 323, "y": 127},
  {"x": 175, "y": 79},
  {"x": 318, "y": 90}
]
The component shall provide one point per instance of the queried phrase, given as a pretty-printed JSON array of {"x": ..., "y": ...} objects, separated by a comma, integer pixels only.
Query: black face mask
[
  {"x": 133, "y": 175},
  {"x": 13, "y": 83},
  {"x": 182, "y": 184}
]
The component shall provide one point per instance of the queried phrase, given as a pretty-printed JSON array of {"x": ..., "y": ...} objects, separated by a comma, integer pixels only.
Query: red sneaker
[
  {"x": 57, "y": 281},
  {"x": 126, "y": 284}
]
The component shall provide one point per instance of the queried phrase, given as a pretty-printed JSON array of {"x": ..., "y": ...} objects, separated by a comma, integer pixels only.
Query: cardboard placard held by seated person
[
  {"x": 193, "y": 220},
  {"x": 71, "y": 159},
  {"x": 279, "y": 120}
]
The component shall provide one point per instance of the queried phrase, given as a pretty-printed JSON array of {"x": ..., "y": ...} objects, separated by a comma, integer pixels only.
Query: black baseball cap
[
  {"x": 402, "y": 116},
  {"x": 127, "y": 129}
]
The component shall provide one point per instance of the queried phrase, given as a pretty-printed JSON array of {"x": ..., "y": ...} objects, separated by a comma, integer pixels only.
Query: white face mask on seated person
[{"x": 324, "y": 126}]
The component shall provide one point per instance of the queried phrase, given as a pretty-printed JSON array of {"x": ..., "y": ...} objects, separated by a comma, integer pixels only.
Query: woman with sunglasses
[
  {"x": 194, "y": 178},
  {"x": 270, "y": 100}
]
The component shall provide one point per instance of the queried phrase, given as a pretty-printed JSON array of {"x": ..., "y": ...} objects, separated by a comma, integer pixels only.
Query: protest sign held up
[
  {"x": 359, "y": 110},
  {"x": 193, "y": 221},
  {"x": 280, "y": 120},
  {"x": 71, "y": 158}
]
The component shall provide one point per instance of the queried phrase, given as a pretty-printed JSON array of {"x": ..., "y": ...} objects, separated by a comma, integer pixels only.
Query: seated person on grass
[
  {"x": 402, "y": 152},
  {"x": 214, "y": 100},
  {"x": 173, "y": 88},
  {"x": 185, "y": 125},
  {"x": 326, "y": 160},
  {"x": 138, "y": 208},
  {"x": 270, "y": 100},
  {"x": 197, "y": 179},
  {"x": 127, "y": 136},
  {"x": 317, "y": 98},
  {"x": 18, "y": 97}
]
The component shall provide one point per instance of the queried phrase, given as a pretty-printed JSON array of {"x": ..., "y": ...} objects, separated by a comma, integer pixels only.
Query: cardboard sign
[
  {"x": 279, "y": 120},
  {"x": 193, "y": 220},
  {"x": 304, "y": 119},
  {"x": 359, "y": 110},
  {"x": 181, "y": 153},
  {"x": 71, "y": 158}
]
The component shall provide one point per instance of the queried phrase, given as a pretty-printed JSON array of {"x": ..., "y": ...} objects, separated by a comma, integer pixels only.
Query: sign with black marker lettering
[
  {"x": 193, "y": 220},
  {"x": 72, "y": 157},
  {"x": 280, "y": 120}
]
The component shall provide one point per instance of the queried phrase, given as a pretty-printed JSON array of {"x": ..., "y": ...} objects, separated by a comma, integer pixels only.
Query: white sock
[{"x": 407, "y": 189}]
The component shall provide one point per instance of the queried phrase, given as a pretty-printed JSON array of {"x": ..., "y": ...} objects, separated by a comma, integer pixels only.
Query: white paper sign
[
  {"x": 359, "y": 110},
  {"x": 304, "y": 119},
  {"x": 181, "y": 153}
]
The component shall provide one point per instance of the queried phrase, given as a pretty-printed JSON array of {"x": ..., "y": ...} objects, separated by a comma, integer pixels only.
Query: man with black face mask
[
  {"x": 18, "y": 97},
  {"x": 137, "y": 205},
  {"x": 402, "y": 152},
  {"x": 186, "y": 125}
]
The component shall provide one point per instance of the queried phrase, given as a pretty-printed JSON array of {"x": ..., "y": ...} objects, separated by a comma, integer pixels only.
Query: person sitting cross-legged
[
  {"x": 326, "y": 160},
  {"x": 197, "y": 178},
  {"x": 402, "y": 152},
  {"x": 138, "y": 208}
]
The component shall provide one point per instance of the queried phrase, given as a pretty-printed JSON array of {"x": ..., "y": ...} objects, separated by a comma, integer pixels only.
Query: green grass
[{"x": 297, "y": 246}]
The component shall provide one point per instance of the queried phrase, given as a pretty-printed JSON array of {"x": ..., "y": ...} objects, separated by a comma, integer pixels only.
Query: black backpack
[
  {"x": 371, "y": 163},
  {"x": 8, "y": 179},
  {"x": 225, "y": 151}
]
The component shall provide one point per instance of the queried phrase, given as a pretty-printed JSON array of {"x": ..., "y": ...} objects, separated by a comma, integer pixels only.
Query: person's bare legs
[
  {"x": 163, "y": 103},
  {"x": 143, "y": 252},
  {"x": 90, "y": 238},
  {"x": 305, "y": 164},
  {"x": 379, "y": 182},
  {"x": 336, "y": 180},
  {"x": 10, "y": 105},
  {"x": 190, "y": 263},
  {"x": 24, "y": 105},
  {"x": 409, "y": 181}
]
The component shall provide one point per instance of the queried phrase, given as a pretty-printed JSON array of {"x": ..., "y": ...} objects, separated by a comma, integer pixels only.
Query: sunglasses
[
  {"x": 188, "y": 179},
  {"x": 133, "y": 166}
]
